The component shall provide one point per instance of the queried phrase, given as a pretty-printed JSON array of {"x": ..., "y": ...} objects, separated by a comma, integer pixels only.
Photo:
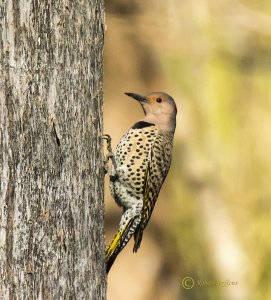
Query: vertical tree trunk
[{"x": 51, "y": 189}]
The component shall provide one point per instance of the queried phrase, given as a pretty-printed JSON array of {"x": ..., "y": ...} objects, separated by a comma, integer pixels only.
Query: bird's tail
[
  {"x": 119, "y": 242},
  {"x": 113, "y": 251},
  {"x": 138, "y": 238}
]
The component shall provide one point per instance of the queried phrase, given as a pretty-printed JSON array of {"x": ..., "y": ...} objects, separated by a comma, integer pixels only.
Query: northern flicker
[{"x": 139, "y": 168}]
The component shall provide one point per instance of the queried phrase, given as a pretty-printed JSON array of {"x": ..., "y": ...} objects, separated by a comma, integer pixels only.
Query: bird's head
[{"x": 159, "y": 108}]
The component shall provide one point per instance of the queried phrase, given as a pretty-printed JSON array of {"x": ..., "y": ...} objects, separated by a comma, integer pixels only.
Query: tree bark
[{"x": 51, "y": 189}]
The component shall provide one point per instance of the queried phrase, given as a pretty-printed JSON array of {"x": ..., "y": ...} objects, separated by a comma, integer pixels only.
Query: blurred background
[{"x": 212, "y": 219}]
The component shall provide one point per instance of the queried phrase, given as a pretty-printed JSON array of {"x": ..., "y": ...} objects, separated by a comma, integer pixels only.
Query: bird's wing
[{"x": 155, "y": 174}]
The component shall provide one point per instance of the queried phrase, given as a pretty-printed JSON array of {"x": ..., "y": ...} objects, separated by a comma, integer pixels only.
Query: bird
[{"x": 139, "y": 167}]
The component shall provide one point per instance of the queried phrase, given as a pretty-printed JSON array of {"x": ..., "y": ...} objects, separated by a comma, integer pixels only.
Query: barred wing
[{"x": 156, "y": 172}]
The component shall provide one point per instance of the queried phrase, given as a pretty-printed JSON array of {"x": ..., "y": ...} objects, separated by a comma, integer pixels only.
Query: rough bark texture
[{"x": 51, "y": 189}]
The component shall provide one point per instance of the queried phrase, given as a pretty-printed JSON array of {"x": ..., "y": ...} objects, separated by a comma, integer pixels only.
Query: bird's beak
[{"x": 137, "y": 97}]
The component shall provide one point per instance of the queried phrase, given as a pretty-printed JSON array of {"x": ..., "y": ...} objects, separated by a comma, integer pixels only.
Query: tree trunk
[{"x": 51, "y": 189}]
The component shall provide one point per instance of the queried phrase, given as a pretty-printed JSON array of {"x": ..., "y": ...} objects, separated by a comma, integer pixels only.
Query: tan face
[
  {"x": 160, "y": 109},
  {"x": 158, "y": 104}
]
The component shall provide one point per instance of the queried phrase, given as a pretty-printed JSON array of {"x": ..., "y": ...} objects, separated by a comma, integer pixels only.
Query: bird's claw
[
  {"x": 110, "y": 154},
  {"x": 108, "y": 139}
]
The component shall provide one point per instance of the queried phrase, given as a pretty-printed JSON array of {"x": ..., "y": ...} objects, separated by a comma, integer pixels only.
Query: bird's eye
[{"x": 159, "y": 100}]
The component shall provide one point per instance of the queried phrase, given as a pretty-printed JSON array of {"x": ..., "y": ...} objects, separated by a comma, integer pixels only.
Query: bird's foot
[{"x": 109, "y": 155}]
